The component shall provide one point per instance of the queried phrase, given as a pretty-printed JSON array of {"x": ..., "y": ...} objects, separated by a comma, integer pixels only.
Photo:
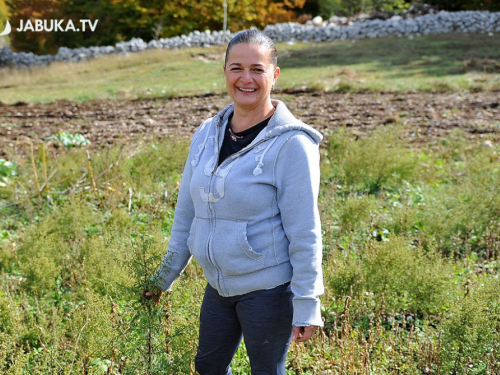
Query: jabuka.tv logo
[
  {"x": 52, "y": 25},
  {"x": 7, "y": 29}
]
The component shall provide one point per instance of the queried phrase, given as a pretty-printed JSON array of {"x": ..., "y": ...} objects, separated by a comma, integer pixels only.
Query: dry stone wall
[{"x": 317, "y": 31}]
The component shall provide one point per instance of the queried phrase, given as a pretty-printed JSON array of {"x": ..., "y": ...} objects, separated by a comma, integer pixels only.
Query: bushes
[
  {"x": 387, "y": 252},
  {"x": 399, "y": 277},
  {"x": 369, "y": 164},
  {"x": 71, "y": 276},
  {"x": 445, "y": 196},
  {"x": 351, "y": 7},
  {"x": 472, "y": 331}
]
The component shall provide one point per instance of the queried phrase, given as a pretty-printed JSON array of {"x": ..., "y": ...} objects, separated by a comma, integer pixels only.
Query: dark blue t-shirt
[{"x": 232, "y": 144}]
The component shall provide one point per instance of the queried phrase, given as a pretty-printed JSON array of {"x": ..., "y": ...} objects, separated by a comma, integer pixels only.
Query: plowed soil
[{"x": 424, "y": 116}]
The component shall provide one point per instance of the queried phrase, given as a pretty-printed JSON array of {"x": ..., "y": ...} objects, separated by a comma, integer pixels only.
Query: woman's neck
[{"x": 244, "y": 119}]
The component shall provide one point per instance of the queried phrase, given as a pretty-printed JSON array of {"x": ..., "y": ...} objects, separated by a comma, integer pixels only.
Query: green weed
[{"x": 411, "y": 251}]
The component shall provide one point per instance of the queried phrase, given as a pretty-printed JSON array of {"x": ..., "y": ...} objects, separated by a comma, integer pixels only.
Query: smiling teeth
[{"x": 247, "y": 90}]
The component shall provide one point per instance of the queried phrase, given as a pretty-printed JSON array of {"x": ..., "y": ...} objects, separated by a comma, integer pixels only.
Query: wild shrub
[
  {"x": 73, "y": 263},
  {"x": 369, "y": 164},
  {"x": 399, "y": 276},
  {"x": 52, "y": 247},
  {"x": 93, "y": 332},
  {"x": 5, "y": 315},
  {"x": 12, "y": 358},
  {"x": 6, "y": 255},
  {"x": 455, "y": 205},
  {"x": 471, "y": 336},
  {"x": 408, "y": 277},
  {"x": 354, "y": 213}
]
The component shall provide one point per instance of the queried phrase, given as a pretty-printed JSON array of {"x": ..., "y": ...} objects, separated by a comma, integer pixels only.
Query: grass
[
  {"x": 411, "y": 232},
  {"x": 426, "y": 63},
  {"x": 411, "y": 261}
]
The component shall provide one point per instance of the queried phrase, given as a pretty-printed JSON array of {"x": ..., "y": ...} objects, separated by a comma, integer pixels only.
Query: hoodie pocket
[
  {"x": 245, "y": 246},
  {"x": 232, "y": 252}
]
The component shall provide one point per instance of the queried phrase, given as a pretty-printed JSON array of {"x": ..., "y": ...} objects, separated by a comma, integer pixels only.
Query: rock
[{"x": 317, "y": 21}]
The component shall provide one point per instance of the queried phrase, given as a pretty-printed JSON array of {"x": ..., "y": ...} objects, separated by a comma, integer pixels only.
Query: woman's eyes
[{"x": 254, "y": 70}]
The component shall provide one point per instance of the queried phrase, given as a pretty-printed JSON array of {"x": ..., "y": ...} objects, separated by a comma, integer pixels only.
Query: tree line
[{"x": 152, "y": 19}]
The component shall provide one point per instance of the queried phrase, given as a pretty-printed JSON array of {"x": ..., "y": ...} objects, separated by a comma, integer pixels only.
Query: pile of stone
[
  {"x": 194, "y": 39},
  {"x": 409, "y": 24},
  {"x": 439, "y": 23}
]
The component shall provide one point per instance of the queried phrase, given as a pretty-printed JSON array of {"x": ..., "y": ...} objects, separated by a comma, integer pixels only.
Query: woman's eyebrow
[{"x": 257, "y": 64}]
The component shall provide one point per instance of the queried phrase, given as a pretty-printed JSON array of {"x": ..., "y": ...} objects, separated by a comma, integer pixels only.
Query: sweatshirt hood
[{"x": 281, "y": 122}]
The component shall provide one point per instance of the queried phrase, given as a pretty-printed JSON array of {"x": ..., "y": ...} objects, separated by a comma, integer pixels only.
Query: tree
[
  {"x": 454, "y": 5},
  {"x": 120, "y": 20},
  {"x": 38, "y": 42},
  {"x": 351, "y": 7}
]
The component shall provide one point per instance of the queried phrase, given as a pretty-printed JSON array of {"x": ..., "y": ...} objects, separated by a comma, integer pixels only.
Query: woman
[{"x": 247, "y": 212}]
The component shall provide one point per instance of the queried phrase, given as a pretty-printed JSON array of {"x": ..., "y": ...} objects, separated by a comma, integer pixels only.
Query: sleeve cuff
[{"x": 307, "y": 313}]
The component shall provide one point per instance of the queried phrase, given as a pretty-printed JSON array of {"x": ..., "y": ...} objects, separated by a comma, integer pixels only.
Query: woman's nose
[{"x": 246, "y": 76}]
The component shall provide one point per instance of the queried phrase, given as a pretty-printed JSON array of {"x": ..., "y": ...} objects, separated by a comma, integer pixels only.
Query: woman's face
[{"x": 250, "y": 75}]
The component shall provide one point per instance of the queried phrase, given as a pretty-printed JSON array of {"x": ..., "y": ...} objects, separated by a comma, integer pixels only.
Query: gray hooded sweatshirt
[{"x": 252, "y": 222}]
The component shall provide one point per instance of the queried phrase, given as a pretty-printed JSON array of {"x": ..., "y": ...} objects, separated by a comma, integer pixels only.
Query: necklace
[{"x": 235, "y": 137}]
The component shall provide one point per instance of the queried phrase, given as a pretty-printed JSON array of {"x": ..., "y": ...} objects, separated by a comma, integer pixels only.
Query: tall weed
[
  {"x": 369, "y": 164},
  {"x": 472, "y": 331},
  {"x": 397, "y": 276}
]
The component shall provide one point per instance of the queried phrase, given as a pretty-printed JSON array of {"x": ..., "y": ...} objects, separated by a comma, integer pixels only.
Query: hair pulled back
[{"x": 257, "y": 37}]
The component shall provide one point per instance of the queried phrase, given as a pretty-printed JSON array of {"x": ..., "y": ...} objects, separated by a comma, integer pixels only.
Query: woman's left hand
[{"x": 301, "y": 334}]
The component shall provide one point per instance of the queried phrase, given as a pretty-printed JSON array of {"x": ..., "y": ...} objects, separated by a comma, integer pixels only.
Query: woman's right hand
[{"x": 155, "y": 296}]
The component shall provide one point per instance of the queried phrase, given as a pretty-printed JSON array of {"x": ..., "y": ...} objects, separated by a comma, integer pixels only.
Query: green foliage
[
  {"x": 53, "y": 246},
  {"x": 4, "y": 14},
  {"x": 351, "y": 7},
  {"x": 74, "y": 261},
  {"x": 455, "y": 207},
  {"x": 457, "y": 5},
  {"x": 69, "y": 140},
  {"x": 126, "y": 19},
  {"x": 7, "y": 172},
  {"x": 369, "y": 164},
  {"x": 400, "y": 277},
  {"x": 5, "y": 315},
  {"x": 472, "y": 331},
  {"x": 354, "y": 213}
]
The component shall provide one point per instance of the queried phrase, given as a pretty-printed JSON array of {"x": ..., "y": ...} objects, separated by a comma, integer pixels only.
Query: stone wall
[{"x": 314, "y": 31}]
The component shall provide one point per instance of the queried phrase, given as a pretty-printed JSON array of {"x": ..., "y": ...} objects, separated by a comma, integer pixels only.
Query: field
[{"x": 409, "y": 204}]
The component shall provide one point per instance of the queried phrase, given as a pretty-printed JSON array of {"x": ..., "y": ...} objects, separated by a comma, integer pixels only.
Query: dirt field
[{"x": 424, "y": 115}]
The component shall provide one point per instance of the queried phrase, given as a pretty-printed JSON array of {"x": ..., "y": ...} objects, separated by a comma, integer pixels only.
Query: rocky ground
[{"x": 424, "y": 116}]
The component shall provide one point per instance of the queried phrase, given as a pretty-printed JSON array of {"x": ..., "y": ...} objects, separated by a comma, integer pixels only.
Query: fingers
[
  {"x": 301, "y": 334},
  {"x": 150, "y": 295},
  {"x": 157, "y": 298},
  {"x": 147, "y": 294}
]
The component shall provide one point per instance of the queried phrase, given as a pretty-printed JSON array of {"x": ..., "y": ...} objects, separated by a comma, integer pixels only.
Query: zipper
[
  {"x": 212, "y": 220},
  {"x": 210, "y": 208},
  {"x": 210, "y": 235}
]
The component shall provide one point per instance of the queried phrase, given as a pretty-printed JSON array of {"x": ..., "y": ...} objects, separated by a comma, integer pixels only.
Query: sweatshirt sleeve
[
  {"x": 178, "y": 256},
  {"x": 297, "y": 178}
]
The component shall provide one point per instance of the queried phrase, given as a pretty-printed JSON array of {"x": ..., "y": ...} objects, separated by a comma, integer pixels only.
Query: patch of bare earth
[{"x": 424, "y": 116}]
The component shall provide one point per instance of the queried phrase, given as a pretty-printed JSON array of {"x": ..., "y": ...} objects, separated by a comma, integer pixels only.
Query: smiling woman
[
  {"x": 247, "y": 212},
  {"x": 250, "y": 77}
]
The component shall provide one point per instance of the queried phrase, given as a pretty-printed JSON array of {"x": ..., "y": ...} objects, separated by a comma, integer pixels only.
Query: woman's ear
[{"x": 276, "y": 73}]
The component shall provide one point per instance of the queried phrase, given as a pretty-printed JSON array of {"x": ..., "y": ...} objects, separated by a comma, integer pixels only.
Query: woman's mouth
[{"x": 246, "y": 90}]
